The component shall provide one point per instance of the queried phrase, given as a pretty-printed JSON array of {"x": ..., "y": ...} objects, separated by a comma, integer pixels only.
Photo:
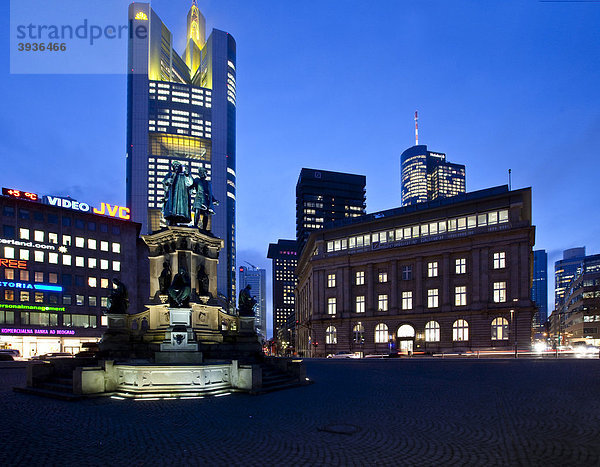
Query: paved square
[{"x": 358, "y": 412}]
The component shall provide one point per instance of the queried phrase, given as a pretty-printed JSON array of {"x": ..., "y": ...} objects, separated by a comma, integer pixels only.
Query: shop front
[{"x": 31, "y": 341}]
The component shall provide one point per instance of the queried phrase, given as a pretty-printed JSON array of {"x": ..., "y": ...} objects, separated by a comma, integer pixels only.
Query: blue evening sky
[{"x": 333, "y": 84}]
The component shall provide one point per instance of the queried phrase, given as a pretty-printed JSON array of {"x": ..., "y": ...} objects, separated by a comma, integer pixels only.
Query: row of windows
[
  {"x": 9, "y": 211},
  {"x": 433, "y": 295},
  {"x": 52, "y": 299},
  {"x": 67, "y": 260},
  {"x": 420, "y": 231},
  {"x": 80, "y": 242},
  {"x": 460, "y": 332},
  {"x": 499, "y": 262},
  {"x": 34, "y": 318}
]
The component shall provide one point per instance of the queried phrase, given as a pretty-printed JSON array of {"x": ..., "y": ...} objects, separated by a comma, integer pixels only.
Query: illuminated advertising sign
[
  {"x": 10, "y": 306},
  {"x": 20, "y": 194},
  {"x": 31, "y": 332},
  {"x": 39, "y": 246},
  {"x": 67, "y": 203},
  {"x": 113, "y": 211},
  {"x": 28, "y": 286},
  {"x": 13, "y": 263}
]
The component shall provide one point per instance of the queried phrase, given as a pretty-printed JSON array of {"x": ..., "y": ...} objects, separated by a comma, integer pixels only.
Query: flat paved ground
[{"x": 367, "y": 412}]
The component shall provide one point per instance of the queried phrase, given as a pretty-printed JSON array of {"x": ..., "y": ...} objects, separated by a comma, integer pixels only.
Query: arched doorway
[{"x": 406, "y": 339}]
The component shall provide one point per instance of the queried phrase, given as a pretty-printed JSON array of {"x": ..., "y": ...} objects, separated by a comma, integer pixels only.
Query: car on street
[
  {"x": 51, "y": 355},
  {"x": 342, "y": 354}
]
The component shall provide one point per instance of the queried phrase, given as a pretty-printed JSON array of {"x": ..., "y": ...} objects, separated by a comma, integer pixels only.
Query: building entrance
[{"x": 406, "y": 339}]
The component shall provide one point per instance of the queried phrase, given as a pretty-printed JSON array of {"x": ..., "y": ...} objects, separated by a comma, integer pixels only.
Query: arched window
[
  {"x": 331, "y": 335},
  {"x": 500, "y": 329},
  {"x": 432, "y": 331},
  {"x": 406, "y": 330},
  {"x": 381, "y": 333},
  {"x": 460, "y": 330},
  {"x": 358, "y": 334}
]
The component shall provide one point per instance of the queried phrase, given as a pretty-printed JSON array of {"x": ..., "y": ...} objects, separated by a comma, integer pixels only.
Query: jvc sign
[{"x": 106, "y": 209}]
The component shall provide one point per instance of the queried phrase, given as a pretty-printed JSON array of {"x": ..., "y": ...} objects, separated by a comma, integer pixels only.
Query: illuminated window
[
  {"x": 92, "y": 282},
  {"x": 104, "y": 302},
  {"x": 79, "y": 299},
  {"x": 358, "y": 334},
  {"x": 331, "y": 306},
  {"x": 499, "y": 292},
  {"x": 103, "y": 246},
  {"x": 66, "y": 240},
  {"x": 116, "y": 265},
  {"x": 66, "y": 300},
  {"x": 383, "y": 277},
  {"x": 38, "y": 235},
  {"x": 460, "y": 295},
  {"x": 24, "y": 234},
  {"x": 461, "y": 265},
  {"x": 53, "y": 238},
  {"x": 79, "y": 242},
  {"x": 331, "y": 335},
  {"x": 104, "y": 264},
  {"x": 39, "y": 297},
  {"x": 360, "y": 277},
  {"x": 67, "y": 260},
  {"x": 500, "y": 329},
  {"x": 381, "y": 333},
  {"x": 116, "y": 248},
  {"x": 38, "y": 276},
  {"x": 460, "y": 330},
  {"x": 9, "y": 274},
  {"x": 53, "y": 258},
  {"x": 360, "y": 304},
  {"x": 38, "y": 256},
  {"x": 23, "y": 254},
  {"x": 24, "y": 275},
  {"x": 432, "y": 331},
  {"x": 9, "y": 295},
  {"x": 91, "y": 244},
  {"x": 53, "y": 278},
  {"x": 432, "y": 269},
  {"x": 92, "y": 263},
  {"x": 330, "y": 280},
  {"x": 9, "y": 252},
  {"x": 432, "y": 298},
  {"x": 24, "y": 296},
  {"x": 407, "y": 300},
  {"x": 93, "y": 301},
  {"x": 499, "y": 260},
  {"x": 79, "y": 261},
  {"x": 382, "y": 302}
]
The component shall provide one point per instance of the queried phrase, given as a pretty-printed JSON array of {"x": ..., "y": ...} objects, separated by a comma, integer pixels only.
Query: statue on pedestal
[
  {"x": 180, "y": 290},
  {"x": 204, "y": 200},
  {"x": 177, "y": 184},
  {"x": 164, "y": 280},
  {"x": 118, "y": 301},
  {"x": 246, "y": 302},
  {"x": 203, "y": 282}
]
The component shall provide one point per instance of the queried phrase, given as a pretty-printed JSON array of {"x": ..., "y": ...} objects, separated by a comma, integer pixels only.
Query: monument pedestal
[
  {"x": 116, "y": 339},
  {"x": 180, "y": 345}
]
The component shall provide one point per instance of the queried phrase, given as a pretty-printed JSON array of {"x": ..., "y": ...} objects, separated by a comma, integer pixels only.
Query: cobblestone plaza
[{"x": 358, "y": 412}]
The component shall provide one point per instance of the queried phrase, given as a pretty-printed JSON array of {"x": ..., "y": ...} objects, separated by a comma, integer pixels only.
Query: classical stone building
[{"x": 449, "y": 275}]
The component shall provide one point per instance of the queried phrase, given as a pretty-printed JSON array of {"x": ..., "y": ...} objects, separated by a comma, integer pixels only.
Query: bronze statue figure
[
  {"x": 246, "y": 302},
  {"x": 118, "y": 301},
  {"x": 204, "y": 200},
  {"x": 177, "y": 184},
  {"x": 180, "y": 290},
  {"x": 203, "y": 282},
  {"x": 164, "y": 280}
]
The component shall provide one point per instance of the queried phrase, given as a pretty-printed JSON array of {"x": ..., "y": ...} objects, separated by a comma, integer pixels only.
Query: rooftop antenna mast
[
  {"x": 250, "y": 264},
  {"x": 509, "y": 180},
  {"x": 416, "y": 128}
]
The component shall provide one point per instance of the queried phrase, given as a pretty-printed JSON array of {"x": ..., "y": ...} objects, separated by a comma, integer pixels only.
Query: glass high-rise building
[
  {"x": 257, "y": 279},
  {"x": 539, "y": 288},
  {"x": 182, "y": 108},
  {"x": 285, "y": 259},
  {"x": 427, "y": 176},
  {"x": 565, "y": 271},
  {"x": 323, "y": 196}
]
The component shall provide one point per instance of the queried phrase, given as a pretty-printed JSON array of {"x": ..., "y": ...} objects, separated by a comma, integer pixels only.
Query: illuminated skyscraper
[
  {"x": 257, "y": 279},
  {"x": 182, "y": 108},
  {"x": 427, "y": 176},
  {"x": 565, "y": 271},
  {"x": 285, "y": 259}
]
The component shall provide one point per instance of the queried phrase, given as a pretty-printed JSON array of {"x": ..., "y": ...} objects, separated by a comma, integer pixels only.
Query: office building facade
[
  {"x": 449, "y": 276},
  {"x": 58, "y": 260},
  {"x": 323, "y": 197},
  {"x": 182, "y": 108},
  {"x": 565, "y": 271},
  {"x": 427, "y": 176},
  {"x": 539, "y": 289},
  {"x": 257, "y": 279},
  {"x": 284, "y": 255}
]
